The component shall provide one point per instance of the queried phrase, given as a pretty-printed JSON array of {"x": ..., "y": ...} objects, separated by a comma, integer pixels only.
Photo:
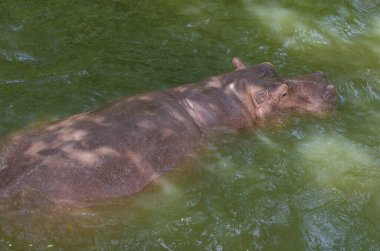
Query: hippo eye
[{"x": 284, "y": 95}]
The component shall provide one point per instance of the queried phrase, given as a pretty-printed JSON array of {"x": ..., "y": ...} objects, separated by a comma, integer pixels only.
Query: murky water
[{"x": 310, "y": 185}]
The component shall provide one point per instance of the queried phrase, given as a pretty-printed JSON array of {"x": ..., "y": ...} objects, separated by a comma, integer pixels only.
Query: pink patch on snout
[
  {"x": 329, "y": 94},
  {"x": 330, "y": 88}
]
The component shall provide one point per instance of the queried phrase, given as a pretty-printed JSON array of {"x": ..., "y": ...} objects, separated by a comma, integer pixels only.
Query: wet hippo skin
[{"x": 117, "y": 150}]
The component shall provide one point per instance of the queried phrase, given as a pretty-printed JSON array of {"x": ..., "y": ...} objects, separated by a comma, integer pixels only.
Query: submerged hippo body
[{"x": 117, "y": 150}]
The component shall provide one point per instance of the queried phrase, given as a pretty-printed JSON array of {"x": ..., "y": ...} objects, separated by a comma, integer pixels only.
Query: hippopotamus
[{"x": 117, "y": 150}]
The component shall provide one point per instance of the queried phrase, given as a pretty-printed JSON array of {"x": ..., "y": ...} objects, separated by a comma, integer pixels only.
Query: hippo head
[
  {"x": 309, "y": 93},
  {"x": 272, "y": 94}
]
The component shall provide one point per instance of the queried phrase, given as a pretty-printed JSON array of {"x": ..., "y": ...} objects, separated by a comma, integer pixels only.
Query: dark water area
[{"x": 312, "y": 184}]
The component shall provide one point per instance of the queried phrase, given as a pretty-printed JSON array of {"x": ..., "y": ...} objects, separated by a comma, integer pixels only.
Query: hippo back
[{"x": 107, "y": 153}]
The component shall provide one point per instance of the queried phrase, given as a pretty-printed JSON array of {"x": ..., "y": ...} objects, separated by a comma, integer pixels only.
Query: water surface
[{"x": 312, "y": 184}]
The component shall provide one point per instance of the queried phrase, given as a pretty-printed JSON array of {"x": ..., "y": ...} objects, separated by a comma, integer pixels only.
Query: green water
[{"x": 313, "y": 184}]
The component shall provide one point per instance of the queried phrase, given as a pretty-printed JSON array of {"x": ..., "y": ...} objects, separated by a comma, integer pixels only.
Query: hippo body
[{"x": 117, "y": 150}]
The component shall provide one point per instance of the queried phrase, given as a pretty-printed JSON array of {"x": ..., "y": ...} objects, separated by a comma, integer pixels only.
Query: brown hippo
[{"x": 117, "y": 150}]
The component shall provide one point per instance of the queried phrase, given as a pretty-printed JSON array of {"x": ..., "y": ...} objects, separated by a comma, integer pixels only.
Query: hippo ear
[
  {"x": 261, "y": 97},
  {"x": 266, "y": 69},
  {"x": 238, "y": 64}
]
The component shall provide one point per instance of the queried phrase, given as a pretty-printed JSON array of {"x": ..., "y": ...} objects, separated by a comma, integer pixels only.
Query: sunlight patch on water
[
  {"x": 224, "y": 166},
  {"x": 371, "y": 39},
  {"x": 16, "y": 56},
  {"x": 336, "y": 161},
  {"x": 340, "y": 35},
  {"x": 167, "y": 187},
  {"x": 375, "y": 27},
  {"x": 165, "y": 191},
  {"x": 288, "y": 25},
  {"x": 372, "y": 124},
  {"x": 263, "y": 138}
]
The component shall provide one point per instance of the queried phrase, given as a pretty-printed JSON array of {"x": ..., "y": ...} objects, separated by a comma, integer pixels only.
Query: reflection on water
[
  {"x": 336, "y": 161},
  {"x": 312, "y": 184}
]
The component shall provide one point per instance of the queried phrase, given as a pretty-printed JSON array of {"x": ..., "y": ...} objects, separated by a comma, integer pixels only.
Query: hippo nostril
[
  {"x": 330, "y": 88},
  {"x": 329, "y": 94},
  {"x": 320, "y": 75}
]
